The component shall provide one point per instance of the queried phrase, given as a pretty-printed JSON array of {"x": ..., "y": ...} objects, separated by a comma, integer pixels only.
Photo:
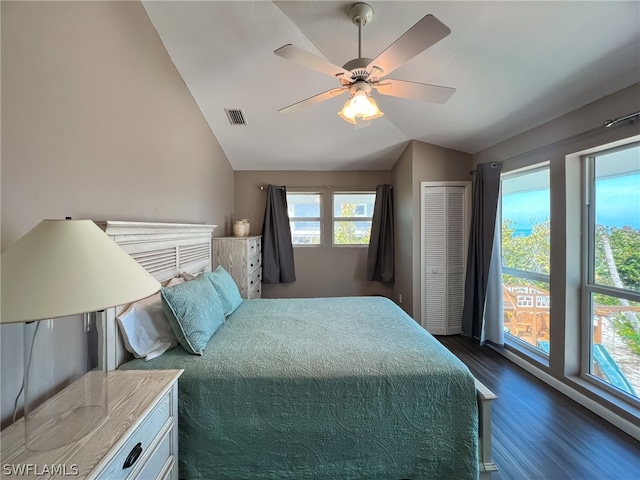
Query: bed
[{"x": 323, "y": 388}]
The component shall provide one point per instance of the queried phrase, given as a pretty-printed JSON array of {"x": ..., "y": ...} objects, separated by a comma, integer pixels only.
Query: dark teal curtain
[
  {"x": 277, "y": 249},
  {"x": 380, "y": 259}
]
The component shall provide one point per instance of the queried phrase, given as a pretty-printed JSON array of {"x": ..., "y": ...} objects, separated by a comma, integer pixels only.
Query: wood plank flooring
[{"x": 539, "y": 433}]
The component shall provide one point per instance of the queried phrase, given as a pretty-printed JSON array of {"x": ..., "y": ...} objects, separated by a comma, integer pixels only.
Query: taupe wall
[
  {"x": 527, "y": 147},
  {"x": 420, "y": 162},
  {"x": 560, "y": 143},
  {"x": 402, "y": 181},
  {"x": 324, "y": 271},
  {"x": 97, "y": 123}
]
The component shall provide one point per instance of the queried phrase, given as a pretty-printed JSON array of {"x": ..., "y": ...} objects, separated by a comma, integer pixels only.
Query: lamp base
[{"x": 65, "y": 381}]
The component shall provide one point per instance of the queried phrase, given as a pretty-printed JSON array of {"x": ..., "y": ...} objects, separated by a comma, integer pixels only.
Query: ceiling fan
[{"x": 360, "y": 75}]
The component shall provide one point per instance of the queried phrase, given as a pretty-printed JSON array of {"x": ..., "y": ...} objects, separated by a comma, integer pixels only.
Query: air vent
[{"x": 235, "y": 116}]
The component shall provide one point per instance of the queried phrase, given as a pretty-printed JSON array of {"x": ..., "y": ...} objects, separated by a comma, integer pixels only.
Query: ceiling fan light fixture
[{"x": 360, "y": 105}]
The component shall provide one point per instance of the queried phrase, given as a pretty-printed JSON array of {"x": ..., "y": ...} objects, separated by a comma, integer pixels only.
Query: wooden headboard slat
[
  {"x": 193, "y": 255},
  {"x": 165, "y": 250}
]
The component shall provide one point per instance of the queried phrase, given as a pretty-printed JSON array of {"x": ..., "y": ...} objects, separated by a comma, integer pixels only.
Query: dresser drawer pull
[{"x": 133, "y": 456}]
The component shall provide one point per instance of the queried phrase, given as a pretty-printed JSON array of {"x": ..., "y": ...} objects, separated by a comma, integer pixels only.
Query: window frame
[
  {"x": 589, "y": 286},
  {"x": 361, "y": 218},
  {"x": 319, "y": 219}
]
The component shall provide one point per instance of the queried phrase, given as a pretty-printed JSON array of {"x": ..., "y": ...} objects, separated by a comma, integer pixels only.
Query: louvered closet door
[{"x": 443, "y": 258}]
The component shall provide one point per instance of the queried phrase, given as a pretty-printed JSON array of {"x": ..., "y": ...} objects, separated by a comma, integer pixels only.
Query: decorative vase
[
  {"x": 247, "y": 226},
  {"x": 239, "y": 228}
]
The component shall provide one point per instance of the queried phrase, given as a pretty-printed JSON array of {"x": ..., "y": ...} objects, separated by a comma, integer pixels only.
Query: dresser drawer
[
  {"x": 144, "y": 435},
  {"x": 254, "y": 245},
  {"x": 161, "y": 458},
  {"x": 255, "y": 278},
  {"x": 171, "y": 472},
  {"x": 256, "y": 292},
  {"x": 255, "y": 261}
]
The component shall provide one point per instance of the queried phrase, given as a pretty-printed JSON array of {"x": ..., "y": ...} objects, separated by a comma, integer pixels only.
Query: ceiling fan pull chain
[{"x": 360, "y": 38}]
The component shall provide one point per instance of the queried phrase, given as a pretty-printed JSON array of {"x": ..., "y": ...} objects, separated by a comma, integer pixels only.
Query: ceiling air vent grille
[{"x": 235, "y": 116}]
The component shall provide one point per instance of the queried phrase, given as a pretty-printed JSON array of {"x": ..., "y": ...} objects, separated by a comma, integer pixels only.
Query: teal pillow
[
  {"x": 194, "y": 312},
  {"x": 226, "y": 288}
]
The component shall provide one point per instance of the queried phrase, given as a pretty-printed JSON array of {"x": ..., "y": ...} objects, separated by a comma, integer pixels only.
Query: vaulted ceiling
[{"x": 514, "y": 65}]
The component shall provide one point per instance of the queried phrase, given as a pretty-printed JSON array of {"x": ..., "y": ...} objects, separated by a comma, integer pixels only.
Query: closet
[{"x": 444, "y": 226}]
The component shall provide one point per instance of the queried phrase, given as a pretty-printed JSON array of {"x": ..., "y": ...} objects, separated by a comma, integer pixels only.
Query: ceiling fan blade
[
  {"x": 414, "y": 91},
  {"x": 321, "y": 97},
  {"x": 417, "y": 39},
  {"x": 298, "y": 55}
]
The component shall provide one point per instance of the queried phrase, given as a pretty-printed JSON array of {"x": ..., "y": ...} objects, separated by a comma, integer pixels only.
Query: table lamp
[{"x": 64, "y": 268}]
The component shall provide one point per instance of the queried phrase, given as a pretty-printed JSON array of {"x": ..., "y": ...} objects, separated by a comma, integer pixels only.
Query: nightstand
[{"x": 140, "y": 431}]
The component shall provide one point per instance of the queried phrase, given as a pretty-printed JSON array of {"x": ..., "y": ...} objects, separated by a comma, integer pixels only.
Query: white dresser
[
  {"x": 137, "y": 440},
  {"x": 242, "y": 258}
]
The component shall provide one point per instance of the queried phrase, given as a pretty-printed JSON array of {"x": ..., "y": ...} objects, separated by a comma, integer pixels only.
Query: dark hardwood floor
[{"x": 541, "y": 434}]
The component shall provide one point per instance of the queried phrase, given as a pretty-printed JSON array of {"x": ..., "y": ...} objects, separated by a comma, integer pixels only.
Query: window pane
[
  {"x": 351, "y": 232},
  {"x": 617, "y": 219},
  {"x": 307, "y": 208},
  {"x": 526, "y": 243},
  {"x": 347, "y": 207},
  {"x": 304, "y": 232},
  {"x": 353, "y": 204},
  {"x": 303, "y": 205},
  {"x": 525, "y": 221},
  {"x": 615, "y": 342},
  {"x": 526, "y": 310}
]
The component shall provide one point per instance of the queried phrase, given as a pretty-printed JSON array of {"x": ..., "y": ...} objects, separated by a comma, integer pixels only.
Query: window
[
  {"x": 305, "y": 218},
  {"x": 611, "y": 287},
  {"x": 352, "y": 214},
  {"x": 525, "y": 257}
]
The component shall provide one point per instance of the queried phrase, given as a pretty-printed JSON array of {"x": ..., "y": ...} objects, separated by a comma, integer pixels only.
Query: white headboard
[{"x": 165, "y": 250}]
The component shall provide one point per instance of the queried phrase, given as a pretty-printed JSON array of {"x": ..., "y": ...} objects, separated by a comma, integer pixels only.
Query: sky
[
  {"x": 618, "y": 201},
  {"x": 617, "y": 204}
]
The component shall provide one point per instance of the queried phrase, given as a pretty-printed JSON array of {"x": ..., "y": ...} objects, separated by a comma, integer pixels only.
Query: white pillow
[
  {"x": 174, "y": 281},
  {"x": 186, "y": 276},
  {"x": 145, "y": 330}
]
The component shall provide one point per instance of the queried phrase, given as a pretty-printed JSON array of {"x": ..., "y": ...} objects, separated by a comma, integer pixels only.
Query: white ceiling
[{"x": 514, "y": 65}]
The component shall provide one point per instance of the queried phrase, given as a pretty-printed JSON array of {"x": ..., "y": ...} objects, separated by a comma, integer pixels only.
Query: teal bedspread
[{"x": 323, "y": 388}]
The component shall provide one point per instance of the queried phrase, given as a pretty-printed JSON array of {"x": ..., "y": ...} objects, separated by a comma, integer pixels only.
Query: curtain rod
[
  {"x": 632, "y": 117},
  {"x": 326, "y": 187}
]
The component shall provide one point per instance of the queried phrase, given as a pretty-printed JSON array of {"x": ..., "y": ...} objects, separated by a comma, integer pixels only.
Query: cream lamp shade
[{"x": 68, "y": 267}]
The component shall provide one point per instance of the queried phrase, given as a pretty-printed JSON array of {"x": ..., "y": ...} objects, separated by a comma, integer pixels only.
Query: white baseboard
[{"x": 603, "y": 412}]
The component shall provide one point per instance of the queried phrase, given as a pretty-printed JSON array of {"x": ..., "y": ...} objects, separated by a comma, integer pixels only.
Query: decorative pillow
[
  {"x": 194, "y": 312},
  {"x": 226, "y": 288},
  {"x": 145, "y": 329}
]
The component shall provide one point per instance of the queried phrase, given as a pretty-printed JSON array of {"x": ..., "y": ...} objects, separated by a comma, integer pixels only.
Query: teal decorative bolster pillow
[
  {"x": 194, "y": 312},
  {"x": 226, "y": 288}
]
